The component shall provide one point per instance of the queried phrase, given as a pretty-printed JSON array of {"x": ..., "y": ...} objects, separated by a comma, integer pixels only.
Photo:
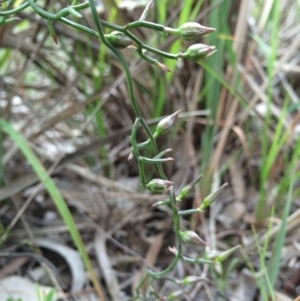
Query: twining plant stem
[
  {"x": 136, "y": 151},
  {"x": 122, "y": 37},
  {"x": 176, "y": 221},
  {"x": 61, "y": 16},
  {"x": 129, "y": 82}
]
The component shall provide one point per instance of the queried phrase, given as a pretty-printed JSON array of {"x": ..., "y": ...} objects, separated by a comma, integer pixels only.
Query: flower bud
[
  {"x": 198, "y": 52},
  {"x": 185, "y": 190},
  {"x": 191, "y": 237},
  {"x": 191, "y": 31},
  {"x": 159, "y": 186},
  {"x": 119, "y": 39},
  {"x": 208, "y": 200},
  {"x": 190, "y": 280},
  {"x": 218, "y": 257},
  {"x": 165, "y": 124}
]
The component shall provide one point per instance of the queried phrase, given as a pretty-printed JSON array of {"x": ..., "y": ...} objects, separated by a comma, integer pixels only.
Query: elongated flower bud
[
  {"x": 165, "y": 124},
  {"x": 191, "y": 31},
  {"x": 198, "y": 52},
  {"x": 159, "y": 186},
  {"x": 208, "y": 200},
  {"x": 217, "y": 257},
  {"x": 119, "y": 39},
  {"x": 190, "y": 280},
  {"x": 185, "y": 190},
  {"x": 191, "y": 237}
]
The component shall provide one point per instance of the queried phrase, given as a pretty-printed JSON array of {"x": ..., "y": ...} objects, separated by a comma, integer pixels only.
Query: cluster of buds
[
  {"x": 191, "y": 31},
  {"x": 188, "y": 31}
]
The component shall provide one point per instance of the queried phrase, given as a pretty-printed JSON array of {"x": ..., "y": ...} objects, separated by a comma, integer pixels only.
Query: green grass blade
[
  {"x": 273, "y": 267},
  {"x": 55, "y": 195},
  {"x": 217, "y": 19}
]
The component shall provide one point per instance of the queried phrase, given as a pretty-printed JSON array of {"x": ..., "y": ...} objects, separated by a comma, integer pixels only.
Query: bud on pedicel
[
  {"x": 119, "y": 39},
  {"x": 159, "y": 186},
  {"x": 198, "y": 52},
  {"x": 185, "y": 190},
  {"x": 165, "y": 124},
  {"x": 191, "y": 31},
  {"x": 218, "y": 257},
  {"x": 208, "y": 200},
  {"x": 190, "y": 280},
  {"x": 191, "y": 237}
]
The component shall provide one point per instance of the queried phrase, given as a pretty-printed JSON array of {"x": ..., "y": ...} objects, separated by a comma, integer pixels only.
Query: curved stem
[
  {"x": 80, "y": 27},
  {"x": 41, "y": 12},
  {"x": 176, "y": 220},
  {"x": 15, "y": 10},
  {"x": 136, "y": 152},
  {"x": 129, "y": 82},
  {"x": 65, "y": 11},
  {"x": 145, "y": 24},
  {"x": 149, "y": 48}
]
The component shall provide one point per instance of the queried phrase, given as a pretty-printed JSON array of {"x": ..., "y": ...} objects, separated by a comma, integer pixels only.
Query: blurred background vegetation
[{"x": 66, "y": 106}]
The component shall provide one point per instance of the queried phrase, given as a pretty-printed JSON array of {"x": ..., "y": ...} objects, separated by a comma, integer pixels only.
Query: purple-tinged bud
[
  {"x": 191, "y": 31},
  {"x": 165, "y": 124},
  {"x": 119, "y": 39},
  {"x": 198, "y": 52},
  {"x": 191, "y": 237},
  {"x": 159, "y": 186},
  {"x": 208, "y": 200}
]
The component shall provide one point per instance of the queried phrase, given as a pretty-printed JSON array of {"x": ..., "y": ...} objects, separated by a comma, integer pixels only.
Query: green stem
[
  {"x": 129, "y": 82},
  {"x": 145, "y": 24},
  {"x": 196, "y": 260},
  {"x": 66, "y": 11},
  {"x": 136, "y": 152},
  {"x": 80, "y": 27},
  {"x": 41, "y": 12},
  {"x": 149, "y": 48},
  {"x": 163, "y": 153},
  {"x": 176, "y": 219},
  {"x": 15, "y": 10}
]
